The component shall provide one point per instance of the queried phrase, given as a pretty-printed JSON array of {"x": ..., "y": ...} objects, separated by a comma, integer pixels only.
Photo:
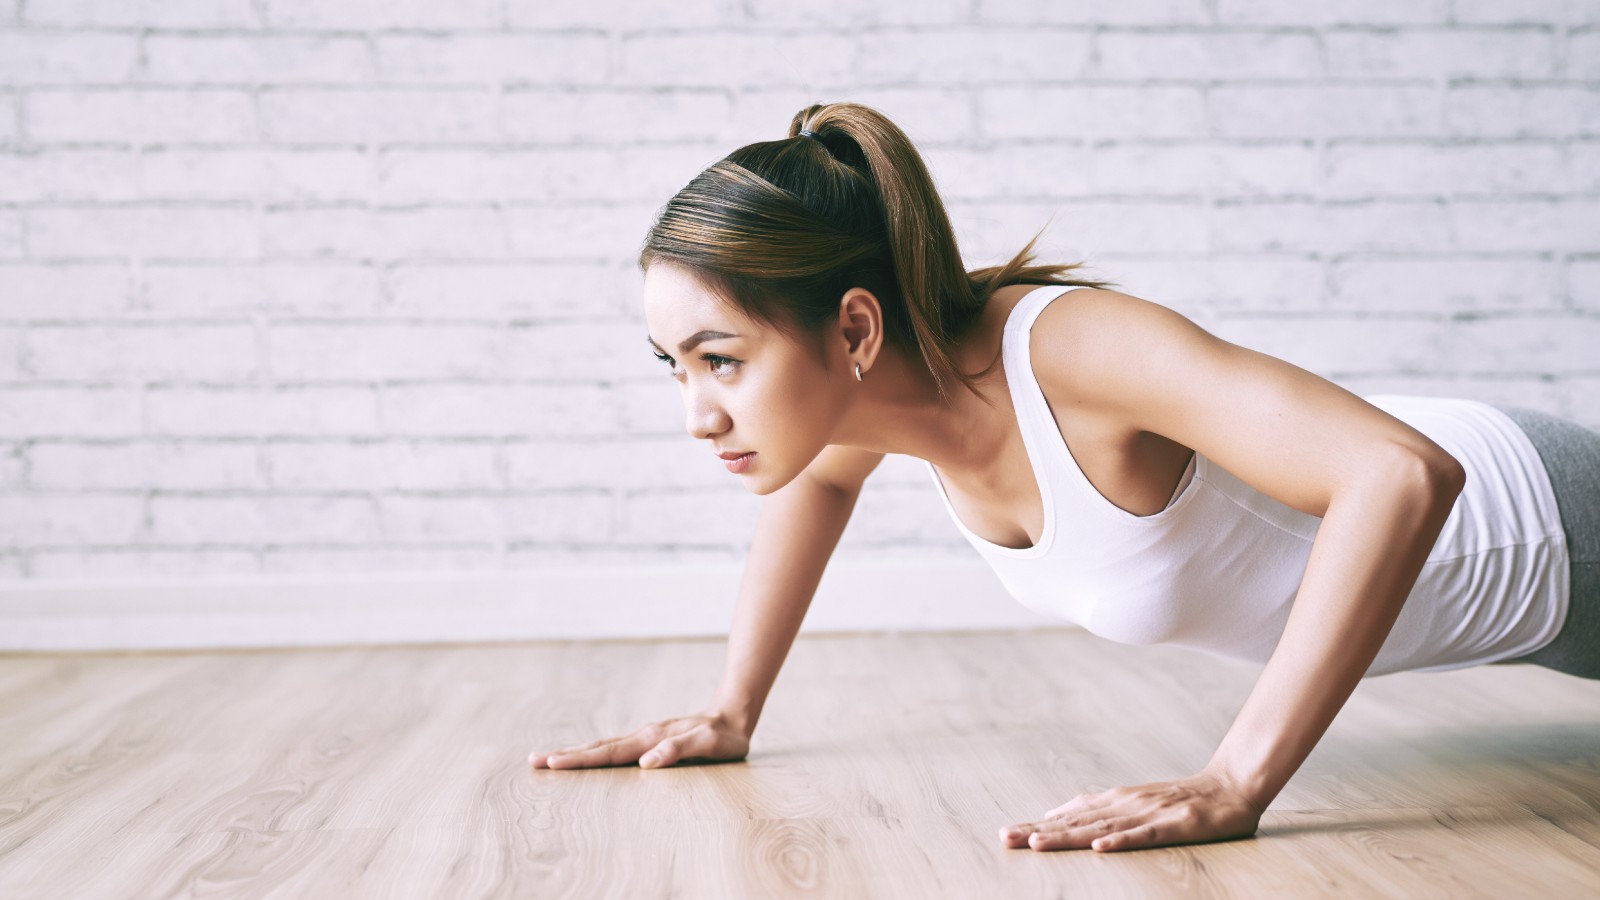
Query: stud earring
[{"x": 858, "y": 371}]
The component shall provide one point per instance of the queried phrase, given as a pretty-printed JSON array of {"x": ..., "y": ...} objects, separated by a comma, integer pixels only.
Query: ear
[{"x": 861, "y": 325}]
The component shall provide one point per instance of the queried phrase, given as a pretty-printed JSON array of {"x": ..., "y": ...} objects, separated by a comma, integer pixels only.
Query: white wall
[{"x": 304, "y": 286}]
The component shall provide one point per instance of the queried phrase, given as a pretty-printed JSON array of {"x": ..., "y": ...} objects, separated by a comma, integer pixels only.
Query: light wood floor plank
[{"x": 883, "y": 767}]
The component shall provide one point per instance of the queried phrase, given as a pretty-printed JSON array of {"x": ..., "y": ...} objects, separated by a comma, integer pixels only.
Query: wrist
[
  {"x": 1249, "y": 782},
  {"x": 739, "y": 716}
]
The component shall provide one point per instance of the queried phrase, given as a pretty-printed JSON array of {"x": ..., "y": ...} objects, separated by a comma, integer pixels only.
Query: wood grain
[{"x": 883, "y": 767}]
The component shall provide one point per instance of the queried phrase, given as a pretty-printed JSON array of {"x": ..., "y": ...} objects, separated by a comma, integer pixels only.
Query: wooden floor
[{"x": 884, "y": 766}]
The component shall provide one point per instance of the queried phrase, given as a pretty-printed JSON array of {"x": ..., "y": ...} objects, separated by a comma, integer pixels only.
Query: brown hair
[{"x": 782, "y": 229}]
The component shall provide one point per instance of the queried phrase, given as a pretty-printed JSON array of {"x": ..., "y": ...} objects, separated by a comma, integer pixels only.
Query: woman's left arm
[{"x": 1383, "y": 492}]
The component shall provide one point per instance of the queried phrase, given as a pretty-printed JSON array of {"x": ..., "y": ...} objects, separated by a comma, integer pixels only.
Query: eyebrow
[{"x": 693, "y": 340}]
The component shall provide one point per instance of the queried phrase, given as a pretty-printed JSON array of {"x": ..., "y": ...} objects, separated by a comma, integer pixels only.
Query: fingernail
[
  {"x": 649, "y": 759},
  {"x": 1013, "y": 832}
]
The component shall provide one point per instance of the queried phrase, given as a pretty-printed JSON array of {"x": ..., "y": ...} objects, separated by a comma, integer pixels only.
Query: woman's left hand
[{"x": 1192, "y": 810}]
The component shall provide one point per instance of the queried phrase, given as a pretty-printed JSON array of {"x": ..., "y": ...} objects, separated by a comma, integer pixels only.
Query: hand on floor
[{"x": 1192, "y": 810}]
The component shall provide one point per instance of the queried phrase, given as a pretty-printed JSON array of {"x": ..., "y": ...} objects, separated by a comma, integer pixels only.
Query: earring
[{"x": 858, "y": 371}]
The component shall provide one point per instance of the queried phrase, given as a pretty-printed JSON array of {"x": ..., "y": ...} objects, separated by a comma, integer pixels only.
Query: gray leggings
[{"x": 1571, "y": 454}]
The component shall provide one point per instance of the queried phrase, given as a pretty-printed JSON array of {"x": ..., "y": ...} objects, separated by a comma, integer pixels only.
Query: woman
[{"x": 1117, "y": 465}]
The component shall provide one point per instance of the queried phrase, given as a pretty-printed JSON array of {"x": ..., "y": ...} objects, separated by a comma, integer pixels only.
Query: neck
[{"x": 897, "y": 409}]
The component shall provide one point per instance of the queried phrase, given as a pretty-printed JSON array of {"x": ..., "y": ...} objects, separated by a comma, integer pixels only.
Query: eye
[{"x": 717, "y": 362}]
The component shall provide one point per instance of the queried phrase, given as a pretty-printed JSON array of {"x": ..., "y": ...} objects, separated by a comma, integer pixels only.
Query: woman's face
[{"x": 746, "y": 387}]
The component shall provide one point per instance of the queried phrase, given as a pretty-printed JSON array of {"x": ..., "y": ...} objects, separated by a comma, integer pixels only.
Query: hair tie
[{"x": 810, "y": 134}]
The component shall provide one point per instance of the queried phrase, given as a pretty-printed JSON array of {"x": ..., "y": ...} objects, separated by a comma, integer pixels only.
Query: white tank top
[{"x": 1218, "y": 568}]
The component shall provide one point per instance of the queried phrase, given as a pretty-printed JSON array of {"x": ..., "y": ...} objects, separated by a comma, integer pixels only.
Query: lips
[{"x": 734, "y": 454}]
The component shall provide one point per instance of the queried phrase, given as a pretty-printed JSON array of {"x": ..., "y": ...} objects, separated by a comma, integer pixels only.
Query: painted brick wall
[{"x": 315, "y": 285}]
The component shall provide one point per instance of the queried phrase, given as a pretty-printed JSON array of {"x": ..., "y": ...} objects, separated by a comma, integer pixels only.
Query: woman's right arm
[{"x": 796, "y": 532}]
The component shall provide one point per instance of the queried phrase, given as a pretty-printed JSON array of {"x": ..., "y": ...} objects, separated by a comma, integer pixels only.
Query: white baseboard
[{"x": 432, "y": 607}]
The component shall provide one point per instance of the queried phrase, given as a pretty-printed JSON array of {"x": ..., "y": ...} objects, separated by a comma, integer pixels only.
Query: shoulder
[{"x": 1107, "y": 348}]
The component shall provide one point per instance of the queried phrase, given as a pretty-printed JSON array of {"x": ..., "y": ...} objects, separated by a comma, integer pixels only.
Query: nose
[{"x": 705, "y": 417}]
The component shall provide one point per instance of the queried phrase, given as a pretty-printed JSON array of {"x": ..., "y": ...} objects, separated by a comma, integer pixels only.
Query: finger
[
  {"x": 1147, "y": 835},
  {"x": 1078, "y": 835},
  {"x": 677, "y": 748},
  {"x": 608, "y": 753}
]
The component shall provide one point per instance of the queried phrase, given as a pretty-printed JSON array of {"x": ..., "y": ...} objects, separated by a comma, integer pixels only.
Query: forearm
[
  {"x": 795, "y": 535},
  {"x": 1368, "y": 552}
]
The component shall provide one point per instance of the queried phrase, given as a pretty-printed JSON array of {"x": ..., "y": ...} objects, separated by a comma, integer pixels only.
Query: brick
[
  {"x": 652, "y": 408},
  {"x": 770, "y": 13},
  {"x": 140, "y": 115},
  {"x": 378, "y": 14},
  {"x": 380, "y": 352},
  {"x": 610, "y": 349},
  {"x": 65, "y": 57},
  {"x": 721, "y": 516},
  {"x": 137, "y": 232},
  {"x": 1094, "y": 12},
  {"x": 1524, "y": 111},
  {"x": 261, "y": 519},
  {"x": 62, "y": 291},
  {"x": 482, "y": 410},
  {"x": 1092, "y": 112},
  {"x": 255, "y": 59},
  {"x": 1583, "y": 275},
  {"x": 1440, "y": 53},
  {"x": 33, "y": 520},
  {"x": 1582, "y": 401},
  {"x": 901, "y": 514},
  {"x": 1526, "y": 344},
  {"x": 556, "y": 175},
  {"x": 1008, "y": 171},
  {"x": 1570, "y": 224},
  {"x": 78, "y": 352},
  {"x": 1209, "y": 55},
  {"x": 10, "y": 117},
  {"x": 141, "y": 13},
  {"x": 1324, "y": 110},
  {"x": 1336, "y": 12},
  {"x": 277, "y": 176},
  {"x": 421, "y": 519},
  {"x": 68, "y": 174},
  {"x": 11, "y": 344},
  {"x": 142, "y": 563},
  {"x": 1299, "y": 226},
  {"x": 1333, "y": 347},
  {"x": 497, "y": 59},
  {"x": 1582, "y": 56},
  {"x": 250, "y": 411},
  {"x": 1444, "y": 284},
  {"x": 136, "y": 465},
  {"x": 614, "y": 115},
  {"x": 38, "y": 411},
  {"x": 470, "y": 290},
  {"x": 965, "y": 56},
  {"x": 10, "y": 234},
  {"x": 636, "y": 13},
  {"x": 316, "y": 288},
  {"x": 1583, "y": 166},
  {"x": 13, "y": 474},
  {"x": 1208, "y": 169},
  {"x": 366, "y": 116},
  {"x": 1535, "y": 12},
  {"x": 564, "y": 517},
  {"x": 734, "y": 59},
  {"x": 382, "y": 465},
  {"x": 570, "y": 230},
  {"x": 1443, "y": 169},
  {"x": 1219, "y": 282},
  {"x": 994, "y": 231},
  {"x": 638, "y": 463},
  {"x": 282, "y": 560},
  {"x": 355, "y": 232}
]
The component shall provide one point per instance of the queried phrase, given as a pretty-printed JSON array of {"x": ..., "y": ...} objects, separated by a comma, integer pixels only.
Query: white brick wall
[{"x": 346, "y": 285}]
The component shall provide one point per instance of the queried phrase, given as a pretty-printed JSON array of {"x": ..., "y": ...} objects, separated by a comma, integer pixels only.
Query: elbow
[{"x": 1435, "y": 474}]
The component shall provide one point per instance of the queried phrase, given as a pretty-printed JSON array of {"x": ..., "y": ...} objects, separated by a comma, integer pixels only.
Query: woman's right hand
[{"x": 707, "y": 736}]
